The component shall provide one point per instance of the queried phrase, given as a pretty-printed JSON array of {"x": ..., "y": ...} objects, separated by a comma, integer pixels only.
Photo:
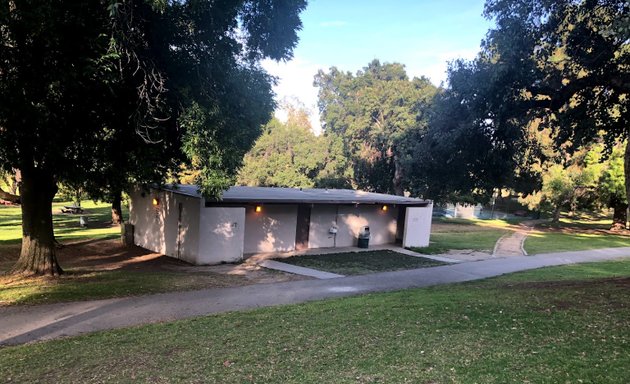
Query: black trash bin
[{"x": 364, "y": 237}]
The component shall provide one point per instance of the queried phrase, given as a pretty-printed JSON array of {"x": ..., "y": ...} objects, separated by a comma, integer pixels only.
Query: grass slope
[
  {"x": 457, "y": 234},
  {"x": 79, "y": 285},
  {"x": 558, "y": 325},
  {"x": 359, "y": 263},
  {"x": 544, "y": 242},
  {"x": 575, "y": 234},
  {"x": 66, "y": 226},
  {"x": 478, "y": 241}
]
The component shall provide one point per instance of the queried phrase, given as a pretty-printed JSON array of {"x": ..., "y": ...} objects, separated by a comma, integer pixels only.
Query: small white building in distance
[{"x": 177, "y": 221}]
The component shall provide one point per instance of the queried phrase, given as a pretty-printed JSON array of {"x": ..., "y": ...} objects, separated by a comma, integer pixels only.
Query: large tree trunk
[
  {"x": 117, "y": 217},
  {"x": 626, "y": 173},
  {"x": 620, "y": 218},
  {"x": 556, "y": 214},
  {"x": 15, "y": 182},
  {"x": 37, "y": 256},
  {"x": 398, "y": 178}
]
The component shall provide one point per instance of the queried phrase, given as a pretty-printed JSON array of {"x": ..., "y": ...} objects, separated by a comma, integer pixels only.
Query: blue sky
[{"x": 348, "y": 34}]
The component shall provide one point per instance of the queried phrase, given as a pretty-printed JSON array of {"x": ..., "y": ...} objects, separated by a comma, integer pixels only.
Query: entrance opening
[{"x": 303, "y": 226}]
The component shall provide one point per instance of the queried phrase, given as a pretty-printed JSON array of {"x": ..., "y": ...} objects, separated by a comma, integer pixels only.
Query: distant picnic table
[{"x": 72, "y": 209}]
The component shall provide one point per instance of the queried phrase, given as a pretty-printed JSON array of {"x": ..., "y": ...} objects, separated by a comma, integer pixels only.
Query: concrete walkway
[
  {"x": 284, "y": 267},
  {"x": 512, "y": 244},
  {"x": 23, "y": 324},
  {"x": 268, "y": 262}
]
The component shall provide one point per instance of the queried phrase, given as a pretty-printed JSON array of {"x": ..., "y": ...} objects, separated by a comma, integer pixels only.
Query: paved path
[
  {"x": 23, "y": 324},
  {"x": 512, "y": 243},
  {"x": 285, "y": 267}
]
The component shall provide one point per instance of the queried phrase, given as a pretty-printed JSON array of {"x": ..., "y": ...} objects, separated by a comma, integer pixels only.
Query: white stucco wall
[
  {"x": 156, "y": 227},
  {"x": 464, "y": 211},
  {"x": 323, "y": 217},
  {"x": 418, "y": 226},
  {"x": 271, "y": 230},
  {"x": 147, "y": 222},
  {"x": 350, "y": 220},
  {"x": 222, "y": 232}
]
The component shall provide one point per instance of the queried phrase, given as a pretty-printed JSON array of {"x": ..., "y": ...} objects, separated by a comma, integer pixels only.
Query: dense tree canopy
[
  {"x": 290, "y": 155},
  {"x": 561, "y": 66},
  {"x": 105, "y": 92},
  {"x": 374, "y": 113}
]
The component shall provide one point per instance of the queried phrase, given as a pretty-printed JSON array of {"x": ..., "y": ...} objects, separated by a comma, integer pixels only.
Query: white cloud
[{"x": 295, "y": 82}]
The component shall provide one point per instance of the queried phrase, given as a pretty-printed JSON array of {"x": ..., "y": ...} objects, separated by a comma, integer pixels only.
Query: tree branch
[{"x": 9, "y": 197}]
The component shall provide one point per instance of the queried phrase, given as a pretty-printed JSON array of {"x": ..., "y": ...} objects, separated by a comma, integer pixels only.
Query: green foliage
[
  {"x": 585, "y": 180},
  {"x": 462, "y": 158},
  {"x": 73, "y": 194},
  {"x": 560, "y": 66},
  {"x": 375, "y": 113},
  {"x": 119, "y": 93},
  {"x": 210, "y": 94},
  {"x": 99, "y": 95},
  {"x": 290, "y": 155},
  {"x": 612, "y": 183}
]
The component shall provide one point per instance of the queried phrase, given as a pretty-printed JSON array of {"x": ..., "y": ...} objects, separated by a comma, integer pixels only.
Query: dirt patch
[
  {"x": 108, "y": 255},
  {"x": 467, "y": 255}
]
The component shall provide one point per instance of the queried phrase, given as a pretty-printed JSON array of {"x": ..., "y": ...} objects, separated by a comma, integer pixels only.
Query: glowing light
[
  {"x": 384, "y": 207},
  {"x": 258, "y": 209},
  {"x": 155, "y": 201}
]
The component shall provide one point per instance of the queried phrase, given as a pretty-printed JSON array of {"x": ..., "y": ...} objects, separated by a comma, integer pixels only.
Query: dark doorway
[
  {"x": 400, "y": 227},
  {"x": 303, "y": 226},
  {"x": 180, "y": 209}
]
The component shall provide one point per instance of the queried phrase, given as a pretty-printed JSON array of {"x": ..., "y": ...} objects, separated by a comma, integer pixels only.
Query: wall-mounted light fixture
[
  {"x": 155, "y": 201},
  {"x": 258, "y": 209},
  {"x": 384, "y": 207}
]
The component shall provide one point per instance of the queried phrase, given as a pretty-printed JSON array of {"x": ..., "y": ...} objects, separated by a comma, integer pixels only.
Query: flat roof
[{"x": 276, "y": 195}]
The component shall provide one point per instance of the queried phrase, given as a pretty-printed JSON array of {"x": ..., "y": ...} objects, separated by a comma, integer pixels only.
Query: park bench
[{"x": 73, "y": 209}]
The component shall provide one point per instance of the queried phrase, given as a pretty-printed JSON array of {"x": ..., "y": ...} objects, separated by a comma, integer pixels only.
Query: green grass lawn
[
  {"x": 575, "y": 234},
  {"x": 585, "y": 222},
  {"x": 496, "y": 223},
  {"x": 77, "y": 286},
  {"x": 66, "y": 226},
  {"x": 477, "y": 241},
  {"x": 477, "y": 235},
  {"x": 359, "y": 263},
  {"x": 544, "y": 242},
  {"x": 559, "y": 325}
]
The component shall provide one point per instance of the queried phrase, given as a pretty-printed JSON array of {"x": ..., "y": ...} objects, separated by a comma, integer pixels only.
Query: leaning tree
[
  {"x": 566, "y": 65},
  {"x": 562, "y": 66},
  {"x": 103, "y": 93}
]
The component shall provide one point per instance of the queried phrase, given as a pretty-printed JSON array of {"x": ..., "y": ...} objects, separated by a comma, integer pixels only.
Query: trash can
[
  {"x": 126, "y": 234},
  {"x": 364, "y": 237}
]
